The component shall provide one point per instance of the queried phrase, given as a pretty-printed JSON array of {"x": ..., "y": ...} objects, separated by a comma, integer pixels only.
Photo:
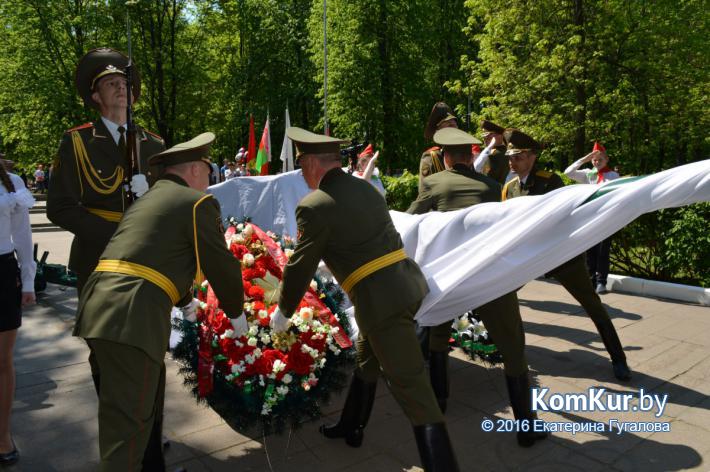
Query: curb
[{"x": 654, "y": 288}]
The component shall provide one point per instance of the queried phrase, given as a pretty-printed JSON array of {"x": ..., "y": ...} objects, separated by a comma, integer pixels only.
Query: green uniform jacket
[
  {"x": 346, "y": 224},
  {"x": 455, "y": 188},
  {"x": 539, "y": 182},
  {"x": 71, "y": 194},
  {"x": 158, "y": 231},
  {"x": 431, "y": 162},
  {"x": 498, "y": 167}
]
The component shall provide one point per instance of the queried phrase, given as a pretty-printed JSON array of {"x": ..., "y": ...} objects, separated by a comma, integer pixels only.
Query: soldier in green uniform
[
  {"x": 459, "y": 187},
  {"x": 431, "y": 161},
  {"x": 167, "y": 239},
  {"x": 497, "y": 165},
  {"x": 573, "y": 275},
  {"x": 90, "y": 181},
  {"x": 345, "y": 222}
]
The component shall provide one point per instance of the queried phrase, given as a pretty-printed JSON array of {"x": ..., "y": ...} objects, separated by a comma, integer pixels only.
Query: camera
[{"x": 351, "y": 153}]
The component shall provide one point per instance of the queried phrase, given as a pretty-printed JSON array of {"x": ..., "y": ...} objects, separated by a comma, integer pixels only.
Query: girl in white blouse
[
  {"x": 597, "y": 255},
  {"x": 17, "y": 275}
]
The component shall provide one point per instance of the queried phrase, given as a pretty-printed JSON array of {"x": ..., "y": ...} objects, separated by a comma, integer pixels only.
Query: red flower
[
  {"x": 265, "y": 364},
  {"x": 298, "y": 361},
  {"x": 238, "y": 250},
  {"x": 254, "y": 272},
  {"x": 316, "y": 341},
  {"x": 256, "y": 292}
]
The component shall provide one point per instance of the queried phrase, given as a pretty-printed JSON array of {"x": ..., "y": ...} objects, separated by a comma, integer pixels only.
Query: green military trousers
[
  {"x": 501, "y": 318},
  {"x": 574, "y": 277},
  {"x": 392, "y": 348},
  {"x": 130, "y": 404}
]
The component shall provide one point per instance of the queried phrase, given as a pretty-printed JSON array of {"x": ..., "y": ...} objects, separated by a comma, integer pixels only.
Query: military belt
[
  {"x": 108, "y": 215},
  {"x": 141, "y": 271},
  {"x": 372, "y": 266}
]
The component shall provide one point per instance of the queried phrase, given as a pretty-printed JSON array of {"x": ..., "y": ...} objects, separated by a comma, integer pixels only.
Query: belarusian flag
[{"x": 261, "y": 167}]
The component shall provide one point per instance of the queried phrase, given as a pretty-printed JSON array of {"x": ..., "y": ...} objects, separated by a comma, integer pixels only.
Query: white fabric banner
[{"x": 474, "y": 255}]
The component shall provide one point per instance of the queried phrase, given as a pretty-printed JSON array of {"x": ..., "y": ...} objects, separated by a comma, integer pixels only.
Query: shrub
[
  {"x": 401, "y": 191},
  {"x": 671, "y": 245}
]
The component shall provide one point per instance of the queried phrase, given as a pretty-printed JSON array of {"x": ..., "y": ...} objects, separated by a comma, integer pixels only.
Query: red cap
[
  {"x": 475, "y": 148},
  {"x": 598, "y": 147},
  {"x": 367, "y": 151}
]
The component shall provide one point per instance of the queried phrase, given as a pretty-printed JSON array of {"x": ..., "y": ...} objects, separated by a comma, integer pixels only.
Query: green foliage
[
  {"x": 401, "y": 191},
  {"x": 629, "y": 74},
  {"x": 672, "y": 245}
]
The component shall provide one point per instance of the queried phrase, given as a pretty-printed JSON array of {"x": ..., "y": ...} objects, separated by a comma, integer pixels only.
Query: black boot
[
  {"x": 435, "y": 449},
  {"x": 613, "y": 346},
  {"x": 519, "y": 392},
  {"x": 439, "y": 377},
  {"x": 355, "y": 414}
]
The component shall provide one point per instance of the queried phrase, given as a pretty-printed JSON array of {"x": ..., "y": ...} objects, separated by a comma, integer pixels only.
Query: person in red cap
[
  {"x": 598, "y": 255},
  {"x": 366, "y": 168},
  {"x": 600, "y": 171}
]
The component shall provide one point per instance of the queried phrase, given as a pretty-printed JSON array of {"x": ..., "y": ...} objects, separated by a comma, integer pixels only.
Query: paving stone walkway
[{"x": 667, "y": 344}]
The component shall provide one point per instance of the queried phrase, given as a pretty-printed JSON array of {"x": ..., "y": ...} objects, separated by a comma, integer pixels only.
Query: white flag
[{"x": 287, "y": 148}]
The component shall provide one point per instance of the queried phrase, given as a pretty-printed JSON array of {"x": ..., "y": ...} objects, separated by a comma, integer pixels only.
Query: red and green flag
[{"x": 263, "y": 157}]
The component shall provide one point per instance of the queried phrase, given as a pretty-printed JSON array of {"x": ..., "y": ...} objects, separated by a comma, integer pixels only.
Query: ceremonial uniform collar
[
  {"x": 330, "y": 175},
  {"x": 174, "y": 178},
  {"x": 113, "y": 128}
]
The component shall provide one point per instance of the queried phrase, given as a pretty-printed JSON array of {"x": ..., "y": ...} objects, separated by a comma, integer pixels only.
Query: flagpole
[{"x": 325, "y": 67}]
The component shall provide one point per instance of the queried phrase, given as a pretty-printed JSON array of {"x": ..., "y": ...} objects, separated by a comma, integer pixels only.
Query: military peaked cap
[
  {"x": 196, "y": 149},
  {"x": 520, "y": 142},
  {"x": 312, "y": 143},
  {"x": 489, "y": 127},
  {"x": 99, "y": 63},
  {"x": 456, "y": 140}
]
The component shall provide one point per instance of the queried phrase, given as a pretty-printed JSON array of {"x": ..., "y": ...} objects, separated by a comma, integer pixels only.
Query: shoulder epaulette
[
  {"x": 543, "y": 173},
  {"x": 504, "y": 191},
  {"x": 88, "y": 125},
  {"x": 154, "y": 135}
]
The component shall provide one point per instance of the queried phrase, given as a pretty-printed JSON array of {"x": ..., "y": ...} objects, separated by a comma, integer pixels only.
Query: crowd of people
[{"x": 344, "y": 222}]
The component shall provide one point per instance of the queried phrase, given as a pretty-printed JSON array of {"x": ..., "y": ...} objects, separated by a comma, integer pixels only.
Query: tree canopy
[{"x": 632, "y": 74}]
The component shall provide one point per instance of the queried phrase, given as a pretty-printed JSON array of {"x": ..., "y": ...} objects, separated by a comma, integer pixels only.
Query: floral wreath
[{"x": 265, "y": 378}]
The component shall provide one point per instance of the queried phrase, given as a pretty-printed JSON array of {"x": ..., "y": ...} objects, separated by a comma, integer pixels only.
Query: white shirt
[
  {"x": 15, "y": 230},
  {"x": 588, "y": 176},
  {"x": 113, "y": 129}
]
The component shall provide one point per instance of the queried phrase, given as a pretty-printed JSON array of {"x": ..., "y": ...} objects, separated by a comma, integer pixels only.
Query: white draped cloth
[{"x": 476, "y": 254}]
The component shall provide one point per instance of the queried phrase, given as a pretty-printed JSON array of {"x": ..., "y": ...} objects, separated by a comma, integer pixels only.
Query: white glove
[
  {"x": 279, "y": 323},
  {"x": 240, "y": 325},
  {"x": 189, "y": 311},
  {"x": 139, "y": 185}
]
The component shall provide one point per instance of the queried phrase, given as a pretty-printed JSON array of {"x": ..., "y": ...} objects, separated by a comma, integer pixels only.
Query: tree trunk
[{"x": 580, "y": 113}]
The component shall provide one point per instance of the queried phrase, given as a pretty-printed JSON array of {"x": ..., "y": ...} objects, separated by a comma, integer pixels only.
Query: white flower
[
  {"x": 205, "y": 283},
  {"x": 248, "y": 231},
  {"x": 253, "y": 330},
  {"x": 240, "y": 227},
  {"x": 314, "y": 285},
  {"x": 261, "y": 381},
  {"x": 279, "y": 365},
  {"x": 289, "y": 253},
  {"x": 248, "y": 260},
  {"x": 252, "y": 341},
  {"x": 287, "y": 379},
  {"x": 263, "y": 314},
  {"x": 282, "y": 390},
  {"x": 238, "y": 343},
  {"x": 257, "y": 352},
  {"x": 249, "y": 359},
  {"x": 265, "y": 338},
  {"x": 238, "y": 368},
  {"x": 306, "y": 313},
  {"x": 229, "y": 333}
]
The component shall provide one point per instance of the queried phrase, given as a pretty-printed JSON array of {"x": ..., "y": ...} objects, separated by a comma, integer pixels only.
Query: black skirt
[{"x": 10, "y": 293}]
